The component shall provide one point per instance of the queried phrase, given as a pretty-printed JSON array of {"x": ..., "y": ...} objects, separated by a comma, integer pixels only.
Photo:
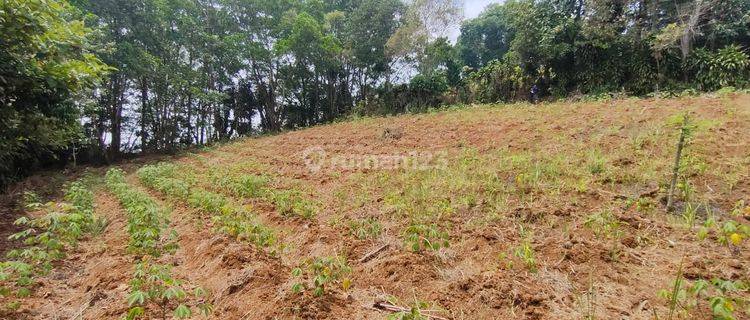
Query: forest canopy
[{"x": 95, "y": 79}]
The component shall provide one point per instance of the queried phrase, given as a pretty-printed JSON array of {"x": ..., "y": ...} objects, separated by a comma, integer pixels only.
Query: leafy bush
[
  {"x": 365, "y": 228},
  {"x": 499, "y": 80},
  {"x": 419, "y": 237},
  {"x": 426, "y": 90},
  {"x": 320, "y": 273},
  {"x": 725, "y": 67}
]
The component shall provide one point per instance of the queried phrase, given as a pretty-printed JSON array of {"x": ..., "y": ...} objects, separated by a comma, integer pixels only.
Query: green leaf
[
  {"x": 136, "y": 298},
  {"x": 182, "y": 312}
]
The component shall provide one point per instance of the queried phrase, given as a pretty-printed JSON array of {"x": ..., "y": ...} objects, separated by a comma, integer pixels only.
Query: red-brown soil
[{"x": 578, "y": 273}]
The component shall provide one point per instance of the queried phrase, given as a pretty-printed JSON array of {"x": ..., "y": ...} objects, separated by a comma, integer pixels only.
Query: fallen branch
[
  {"x": 385, "y": 306},
  {"x": 373, "y": 253}
]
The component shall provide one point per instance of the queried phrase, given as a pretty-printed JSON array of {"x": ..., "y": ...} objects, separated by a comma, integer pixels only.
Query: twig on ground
[
  {"x": 386, "y": 306},
  {"x": 373, "y": 253}
]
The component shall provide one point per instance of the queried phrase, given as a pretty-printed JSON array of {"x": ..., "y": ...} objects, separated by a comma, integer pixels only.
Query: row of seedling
[
  {"x": 154, "y": 292},
  {"x": 232, "y": 180},
  {"x": 46, "y": 238},
  {"x": 228, "y": 216},
  {"x": 288, "y": 202}
]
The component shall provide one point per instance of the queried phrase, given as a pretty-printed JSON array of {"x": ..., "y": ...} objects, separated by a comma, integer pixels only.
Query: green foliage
[
  {"x": 46, "y": 60},
  {"x": 725, "y": 67},
  {"x": 419, "y": 237},
  {"x": 499, "y": 80},
  {"x": 293, "y": 203},
  {"x": 730, "y": 233},
  {"x": 320, "y": 273},
  {"x": 252, "y": 186},
  {"x": 414, "y": 313},
  {"x": 228, "y": 217},
  {"x": 724, "y": 297},
  {"x": 596, "y": 163},
  {"x": 162, "y": 178},
  {"x": 206, "y": 201},
  {"x": 525, "y": 251},
  {"x": 426, "y": 91},
  {"x": 604, "y": 224},
  {"x": 146, "y": 219},
  {"x": 365, "y": 228},
  {"x": 46, "y": 238},
  {"x": 153, "y": 286}
]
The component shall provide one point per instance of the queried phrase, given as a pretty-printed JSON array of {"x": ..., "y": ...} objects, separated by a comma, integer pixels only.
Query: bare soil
[{"x": 579, "y": 272}]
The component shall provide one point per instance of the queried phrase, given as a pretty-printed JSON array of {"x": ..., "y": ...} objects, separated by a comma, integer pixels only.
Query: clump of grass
[
  {"x": 604, "y": 224},
  {"x": 525, "y": 251},
  {"x": 596, "y": 163}
]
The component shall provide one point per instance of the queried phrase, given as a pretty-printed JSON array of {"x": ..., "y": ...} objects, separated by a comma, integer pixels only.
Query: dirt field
[{"x": 550, "y": 211}]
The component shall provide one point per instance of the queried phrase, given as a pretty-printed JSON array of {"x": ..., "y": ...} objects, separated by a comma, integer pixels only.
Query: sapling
[
  {"x": 320, "y": 273},
  {"x": 685, "y": 132}
]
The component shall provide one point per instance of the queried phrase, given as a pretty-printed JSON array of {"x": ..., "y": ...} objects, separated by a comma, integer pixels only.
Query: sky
[{"x": 472, "y": 8}]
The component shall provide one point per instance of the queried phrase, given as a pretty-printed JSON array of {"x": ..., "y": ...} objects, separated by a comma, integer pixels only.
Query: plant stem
[
  {"x": 676, "y": 289},
  {"x": 676, "y": 168}
]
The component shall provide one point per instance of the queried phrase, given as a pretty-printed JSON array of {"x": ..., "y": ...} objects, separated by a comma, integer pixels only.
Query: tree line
[{"x": 93, "y": 80}]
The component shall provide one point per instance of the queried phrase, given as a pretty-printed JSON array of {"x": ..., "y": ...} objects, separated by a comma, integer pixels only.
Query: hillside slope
[{"x": 550, "y": 211}]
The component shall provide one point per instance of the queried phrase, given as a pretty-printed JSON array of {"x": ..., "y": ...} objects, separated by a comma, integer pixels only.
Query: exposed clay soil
[{"x": 578, "y": 272}]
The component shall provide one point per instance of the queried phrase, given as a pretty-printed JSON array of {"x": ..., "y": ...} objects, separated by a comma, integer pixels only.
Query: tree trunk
[
  {"x": 116, "y": 117},
  {"x": 145, "y": 112}
]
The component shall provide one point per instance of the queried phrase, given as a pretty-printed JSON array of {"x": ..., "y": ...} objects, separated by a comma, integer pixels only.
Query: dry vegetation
[{"x": 552, "y": 211}]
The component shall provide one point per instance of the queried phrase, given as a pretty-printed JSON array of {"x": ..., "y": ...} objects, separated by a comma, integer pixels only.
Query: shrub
[
  {"x": 320, "y": 273},
  {"x": 365, "y": 228},
  {"x": 726, "y": 67}
]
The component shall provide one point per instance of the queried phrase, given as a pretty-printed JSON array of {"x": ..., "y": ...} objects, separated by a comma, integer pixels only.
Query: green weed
[
  {"x": 525, "y": 252},
  {"x": 604, "y": 224}
]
